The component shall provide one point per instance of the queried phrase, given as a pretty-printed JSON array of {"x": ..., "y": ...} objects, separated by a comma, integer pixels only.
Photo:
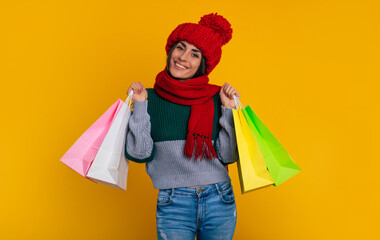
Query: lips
[{"x": 178, "y": 67}]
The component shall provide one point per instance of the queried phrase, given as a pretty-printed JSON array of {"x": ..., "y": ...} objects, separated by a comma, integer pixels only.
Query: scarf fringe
[{"x": 199, "y": 146}]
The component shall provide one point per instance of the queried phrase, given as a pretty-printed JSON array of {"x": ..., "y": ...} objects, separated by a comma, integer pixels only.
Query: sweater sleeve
[
  {"x": 139, "y": 145},
  {"x": 226, "y": 146}
]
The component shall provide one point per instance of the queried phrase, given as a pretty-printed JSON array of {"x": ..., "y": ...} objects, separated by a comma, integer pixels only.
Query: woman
[{"x": 183, "y": 130}]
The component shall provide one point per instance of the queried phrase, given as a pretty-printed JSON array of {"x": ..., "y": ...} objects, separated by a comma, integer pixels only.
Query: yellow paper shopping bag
[{"x": 252, "y": 169}]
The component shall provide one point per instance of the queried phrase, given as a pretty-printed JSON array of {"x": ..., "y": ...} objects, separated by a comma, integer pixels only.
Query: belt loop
[
  {"x": 172, "y": 193},
  {"x": 217, "y": 187}
]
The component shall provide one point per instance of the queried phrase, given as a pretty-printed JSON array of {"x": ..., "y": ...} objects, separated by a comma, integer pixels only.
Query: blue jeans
[{"x": 209, "y": 212}]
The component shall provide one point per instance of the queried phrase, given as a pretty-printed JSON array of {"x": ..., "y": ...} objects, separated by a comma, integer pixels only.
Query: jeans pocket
[
  {"x": 164, "y": 197},
  {"x": 226, "y": 193}
]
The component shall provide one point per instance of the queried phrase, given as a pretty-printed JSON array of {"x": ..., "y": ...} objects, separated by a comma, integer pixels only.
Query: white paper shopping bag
[{"x": 110, "y": 167}]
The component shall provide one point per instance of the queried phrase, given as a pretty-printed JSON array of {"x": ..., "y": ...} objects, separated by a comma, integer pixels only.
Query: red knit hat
[{"x": 209, "y": 35}]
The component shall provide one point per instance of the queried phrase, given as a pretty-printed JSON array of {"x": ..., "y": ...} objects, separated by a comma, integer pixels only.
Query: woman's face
[{"x": 185, "y": 61}]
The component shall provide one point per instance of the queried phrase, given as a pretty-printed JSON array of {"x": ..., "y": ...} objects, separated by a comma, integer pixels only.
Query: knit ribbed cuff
[{"x": 140, "y": 109}]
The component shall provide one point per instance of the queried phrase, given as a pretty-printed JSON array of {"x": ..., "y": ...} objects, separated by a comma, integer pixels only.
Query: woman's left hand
[{"x": 227, "y": 95}]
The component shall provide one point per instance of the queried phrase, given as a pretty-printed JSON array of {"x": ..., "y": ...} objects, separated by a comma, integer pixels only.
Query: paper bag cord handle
[
  {"x": 238, "y": 104},
  {"x": 129, "y": 98}
]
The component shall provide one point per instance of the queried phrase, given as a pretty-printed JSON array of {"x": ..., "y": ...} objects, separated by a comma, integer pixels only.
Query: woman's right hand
[{"x": 139, "y": 92}]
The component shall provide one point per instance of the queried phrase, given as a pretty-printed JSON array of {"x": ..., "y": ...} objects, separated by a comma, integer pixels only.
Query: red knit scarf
[{"x": 198, "y": 93}]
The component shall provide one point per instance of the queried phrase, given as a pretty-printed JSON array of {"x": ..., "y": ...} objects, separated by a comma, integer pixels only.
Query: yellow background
[{"x": 309, "y": 69}]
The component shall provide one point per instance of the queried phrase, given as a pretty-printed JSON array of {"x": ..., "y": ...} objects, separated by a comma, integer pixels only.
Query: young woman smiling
[{"x": 186, "y": 136}]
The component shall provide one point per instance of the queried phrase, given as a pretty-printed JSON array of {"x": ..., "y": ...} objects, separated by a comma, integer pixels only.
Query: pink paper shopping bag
[{"x": 80, "y": 156}]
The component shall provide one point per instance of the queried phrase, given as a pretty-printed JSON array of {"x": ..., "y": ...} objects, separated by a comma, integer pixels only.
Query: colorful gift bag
[
  {"x": 81, "y": 154},
  {"x": 110, "y": 167},
  {"x": 280, "y": 165},
  {"x": 252, "y": 169}
]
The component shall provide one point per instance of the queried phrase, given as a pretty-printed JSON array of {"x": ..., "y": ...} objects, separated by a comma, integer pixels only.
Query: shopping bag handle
[
  {"x": 238, "y": 103},
  {"x": 128, "y": 101}
]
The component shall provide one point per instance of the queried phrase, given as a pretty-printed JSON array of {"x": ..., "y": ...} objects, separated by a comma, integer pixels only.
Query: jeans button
[{"x": 199, "y": 190}]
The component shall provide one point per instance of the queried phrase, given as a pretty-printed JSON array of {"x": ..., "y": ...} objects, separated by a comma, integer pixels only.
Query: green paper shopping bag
[{"x": 279, "y": 163}]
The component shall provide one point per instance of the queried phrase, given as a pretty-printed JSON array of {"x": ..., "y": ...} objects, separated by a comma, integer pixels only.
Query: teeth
[{"x": 180, "y": 66}]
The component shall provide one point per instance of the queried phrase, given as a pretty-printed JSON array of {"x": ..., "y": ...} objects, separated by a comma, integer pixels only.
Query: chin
[{"x": 179, "y": 76}]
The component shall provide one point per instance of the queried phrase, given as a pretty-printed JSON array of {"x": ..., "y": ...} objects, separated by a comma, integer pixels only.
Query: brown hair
[{"x": 201, "y": 69}]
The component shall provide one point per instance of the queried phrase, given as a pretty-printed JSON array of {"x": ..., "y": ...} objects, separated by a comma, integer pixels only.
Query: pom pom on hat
[
  {"x": 219, "y": 24},
  {"x": 209, "y": 35}
]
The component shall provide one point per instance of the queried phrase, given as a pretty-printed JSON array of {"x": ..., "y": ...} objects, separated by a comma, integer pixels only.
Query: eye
[
  {"x": 195, "y": 55},
  {"x": 180, "y": 47}
]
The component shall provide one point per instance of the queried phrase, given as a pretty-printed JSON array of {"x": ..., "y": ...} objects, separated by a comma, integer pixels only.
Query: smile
[{"x": 179, "y": 66}]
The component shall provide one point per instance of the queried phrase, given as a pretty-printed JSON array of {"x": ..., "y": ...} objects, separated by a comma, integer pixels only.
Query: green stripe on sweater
[{"x": 169, "y": 120}]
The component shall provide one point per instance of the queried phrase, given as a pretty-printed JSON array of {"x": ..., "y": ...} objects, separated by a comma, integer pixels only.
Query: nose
[{"x": 184, "y": 56}]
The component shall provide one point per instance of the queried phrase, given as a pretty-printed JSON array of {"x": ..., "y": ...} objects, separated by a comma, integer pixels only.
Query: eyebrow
[{"x": 194, "y": 50}]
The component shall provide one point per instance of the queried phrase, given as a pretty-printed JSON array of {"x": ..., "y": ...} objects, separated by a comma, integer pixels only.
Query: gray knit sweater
[{"x": 157, "y": 137}]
